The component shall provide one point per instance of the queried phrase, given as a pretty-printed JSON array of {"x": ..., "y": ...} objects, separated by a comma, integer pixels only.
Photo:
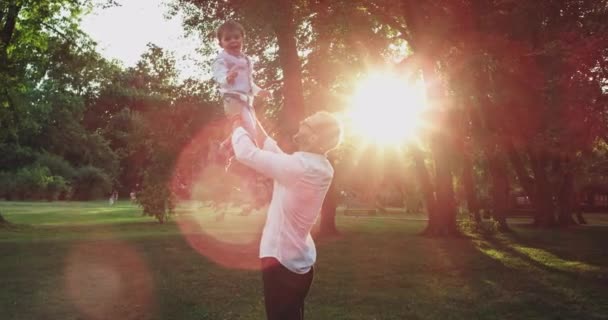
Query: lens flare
[
  {"x": 107, "y": 279},
  {"x": 210, "y": 204}
]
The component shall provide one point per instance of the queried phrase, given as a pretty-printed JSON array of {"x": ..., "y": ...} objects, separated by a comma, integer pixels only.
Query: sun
[{"x": 386, "y": 109}]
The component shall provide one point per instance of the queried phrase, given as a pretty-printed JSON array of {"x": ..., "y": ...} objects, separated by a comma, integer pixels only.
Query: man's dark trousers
[{"x": 284, "y": 291}]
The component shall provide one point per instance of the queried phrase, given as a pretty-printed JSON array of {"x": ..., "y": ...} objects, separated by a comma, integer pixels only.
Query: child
[{"x": 233, "y": 71}]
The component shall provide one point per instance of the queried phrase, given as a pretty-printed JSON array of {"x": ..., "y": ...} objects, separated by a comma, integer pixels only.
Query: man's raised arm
[{"x": 278, "y": 166}]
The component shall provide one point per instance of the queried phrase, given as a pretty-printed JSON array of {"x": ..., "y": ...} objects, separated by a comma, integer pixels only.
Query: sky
[{"x": 122, "y": 33}]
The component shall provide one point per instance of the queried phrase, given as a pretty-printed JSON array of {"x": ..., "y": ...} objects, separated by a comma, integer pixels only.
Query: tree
[
  {"x": 164, "y": 117},
  {"x": 49, "y": 68}
]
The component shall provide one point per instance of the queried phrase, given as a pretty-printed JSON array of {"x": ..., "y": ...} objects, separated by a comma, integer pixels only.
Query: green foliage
[
  {"x": 57, "y": 165},
  {"x": 156, "y": 199},
  {"x": 35, "y": 182},
  {"x": 7, "y": 185},
  {"x": 15, "y": 156},
  {"x": 58, "y": 188},
  {"x": 91, "y": 183},
  {"x": 32, "y": 182}
]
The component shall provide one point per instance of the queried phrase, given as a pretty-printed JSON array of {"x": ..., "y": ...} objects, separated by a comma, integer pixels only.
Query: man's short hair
[
  {"x": 329, "y": 130},
  {"x": 229, "y": 26}
]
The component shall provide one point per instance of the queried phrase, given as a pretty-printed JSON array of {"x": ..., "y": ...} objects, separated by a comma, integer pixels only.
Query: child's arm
[
  {"x": 221, "y": 73},
  {"x": 257, "y": 91},
  {"x": 266, "y": 141}
]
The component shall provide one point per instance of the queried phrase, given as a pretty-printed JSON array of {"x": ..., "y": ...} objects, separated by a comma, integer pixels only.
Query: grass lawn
[{"x": 92, "y": 261}]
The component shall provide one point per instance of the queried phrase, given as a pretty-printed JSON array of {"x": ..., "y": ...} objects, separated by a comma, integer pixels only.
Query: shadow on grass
[
  {"x": 576, "y": 248},
  {"x": 373, "y": 270},
  {"x": 516, "y": 284},
  {"x": 133, "y": 271},
  {"x": 399, "y": 275}
]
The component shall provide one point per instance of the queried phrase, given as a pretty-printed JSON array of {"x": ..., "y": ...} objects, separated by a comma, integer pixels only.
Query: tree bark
[
  {"x": 566, "y": 195},
  {"x": 293, "y": 103},
  {"x": 468, "y": 184},
  {"x": 500, "y": 190},
  {"x": 443, "y": 221},
  {"x": 525, "y": 180},
  {"x": 328, "y": 211},
  {"x": 442, "y": 211},
  {"x": 7, "y": 31},
  {"x": 424, "y": 180},
  {"x": 545, "y": 214}
]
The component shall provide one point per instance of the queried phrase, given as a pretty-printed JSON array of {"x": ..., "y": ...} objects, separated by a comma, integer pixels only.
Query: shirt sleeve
[
  {"x": 278, "y": 166},
  {"x": 220, "y": 70},
  {"x": 255, "y": 88},
  {"x": 272, "y": 146}
]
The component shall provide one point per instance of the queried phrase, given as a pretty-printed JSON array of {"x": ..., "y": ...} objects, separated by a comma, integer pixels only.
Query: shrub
[
  {"x": 31, "y": 182},
  {"x": 156, "y": 198},
  {"x": 57, "y": 165},
  {"x": 58, "y": 188},
  {"x": 7, "y": 185},
  {"x": 15, "y": 156},
  {"x": 91, "y": 183}
]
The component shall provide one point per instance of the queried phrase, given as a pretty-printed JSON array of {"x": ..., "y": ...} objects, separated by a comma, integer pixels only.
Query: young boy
[{"x": 233, "y": 71}]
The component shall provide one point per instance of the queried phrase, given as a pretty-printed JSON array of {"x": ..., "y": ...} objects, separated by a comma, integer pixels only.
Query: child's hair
[{"x": 229, "y": 26}]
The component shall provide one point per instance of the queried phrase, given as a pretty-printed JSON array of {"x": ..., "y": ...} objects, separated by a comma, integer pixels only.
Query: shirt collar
[
  {"x": 224, "y": 53},
  {"x": 312, "y": 155}
]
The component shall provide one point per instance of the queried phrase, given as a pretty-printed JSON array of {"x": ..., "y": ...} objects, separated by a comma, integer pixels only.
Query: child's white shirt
[{"x": 243, "y": 82}]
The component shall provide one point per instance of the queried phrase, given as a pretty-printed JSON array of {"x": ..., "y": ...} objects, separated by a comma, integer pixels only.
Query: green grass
[{"x": 93, "y": 261}]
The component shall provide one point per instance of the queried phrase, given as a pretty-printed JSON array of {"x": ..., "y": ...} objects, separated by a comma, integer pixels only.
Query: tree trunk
[
  {"x": 468, "y": 184},
  {"x": 293, "y": 96},
  {"x": 500, "y": 190},
  {"x": 566, "y": 196},
  {"x": 328, "y": 211},
  {"x": 424, "y": 180},
  {"x": 544, "y": 205},
  {"x": 526, "y": 182},
  {"x": 7, "y": 31},
  {"x": 330, "y": 203},
  {"x": 443, "y": 222}
]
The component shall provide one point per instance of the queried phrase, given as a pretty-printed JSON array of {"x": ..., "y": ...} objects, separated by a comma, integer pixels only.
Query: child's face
[{"x": 232, "y": 41}]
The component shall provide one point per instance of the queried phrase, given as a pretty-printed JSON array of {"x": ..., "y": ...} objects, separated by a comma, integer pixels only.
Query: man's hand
[
  {"x": 264, "y": 94},
  {"x": 231, "y": 75}
]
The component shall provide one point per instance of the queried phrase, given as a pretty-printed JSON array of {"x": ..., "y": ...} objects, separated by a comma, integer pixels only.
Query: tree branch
[
  {"x": 375, "y": 10},
  {"x": 9, "y": 26},
  {"x": 64, "y": 36}
]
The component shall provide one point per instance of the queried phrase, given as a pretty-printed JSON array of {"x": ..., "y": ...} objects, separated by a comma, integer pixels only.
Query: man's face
[
  {"x": 232, "y": 41},
  {"x": 305, "y": 138}
]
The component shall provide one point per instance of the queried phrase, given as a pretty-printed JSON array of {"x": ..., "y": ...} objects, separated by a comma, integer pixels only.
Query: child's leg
[
  {"x": 232, "y": 106},
  {"x": 250, "y": 122}
]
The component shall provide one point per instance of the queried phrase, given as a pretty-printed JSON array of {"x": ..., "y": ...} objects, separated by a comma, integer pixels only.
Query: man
[{"x": 301, "y": 181}]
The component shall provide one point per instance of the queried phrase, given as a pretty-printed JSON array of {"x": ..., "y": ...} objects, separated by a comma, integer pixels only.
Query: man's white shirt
[{"x": 301, "y": 181}]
